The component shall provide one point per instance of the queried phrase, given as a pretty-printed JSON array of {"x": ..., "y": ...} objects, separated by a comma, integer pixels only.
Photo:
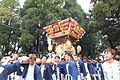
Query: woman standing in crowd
[{"x": 111, "y": 67}]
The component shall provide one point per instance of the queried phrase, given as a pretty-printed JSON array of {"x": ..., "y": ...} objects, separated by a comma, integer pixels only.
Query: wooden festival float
[{"x": 64, "y": 34}]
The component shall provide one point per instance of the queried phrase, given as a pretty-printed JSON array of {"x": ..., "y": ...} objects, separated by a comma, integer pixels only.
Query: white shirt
[
  {"x": 80, "y": 76},
  {"x": 111, "y": 71},
  {"x": 86, "y": 67},
  {"x": 1, "y": 69},
  {"x": 58, "y": 73},
  {"x": 68, "y": 76},
  {"x": 30, "y": 73},
  {"x": 42, "y": 70},
  {"x": 88, "y": 74}
]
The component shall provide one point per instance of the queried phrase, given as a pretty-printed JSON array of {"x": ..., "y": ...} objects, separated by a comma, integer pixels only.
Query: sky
[
  {"x": 22, "y": 2},
  {"x": 85, "y": 4}
]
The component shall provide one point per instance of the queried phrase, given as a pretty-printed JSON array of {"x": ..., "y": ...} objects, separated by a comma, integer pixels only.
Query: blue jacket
[
  {"x": 72, "y": 68},
  {"x": 47, "y": 75},
  {"x": 37, "y": 72},
  {"x": 82, "y": 68},
  {"x": 99, "y": 68},
  {"x": 8, "y": 69},
  {"x": 0, "y": 64},
  {"x": 90, "y": 68}
]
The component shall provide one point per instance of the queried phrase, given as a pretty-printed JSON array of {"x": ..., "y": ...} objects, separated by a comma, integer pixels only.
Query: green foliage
[
  {"x": 9, "y": 25},
  {"x": 101, "y": 7},
  {"x": 4, "y": 12},
  {"x": 44, "y": 13},
  {"x": 9, "y": 3},
  {"x": 105, "y": 17},
  {"x": 3, "y": 38},
  {"x": 103, "y": 29},
  {"x": 26, "y": 41}
]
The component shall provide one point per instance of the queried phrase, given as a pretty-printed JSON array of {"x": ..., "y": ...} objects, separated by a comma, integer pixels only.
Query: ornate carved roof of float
[{"x": 65, "y": 28}]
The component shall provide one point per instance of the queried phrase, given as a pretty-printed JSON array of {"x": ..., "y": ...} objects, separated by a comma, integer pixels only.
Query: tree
[
  {"x": 37, "y": 14},
  {"x": 107, "y": 19},
  {"x": 9, "y": 25},
  {"x": 103, "y": 29}
]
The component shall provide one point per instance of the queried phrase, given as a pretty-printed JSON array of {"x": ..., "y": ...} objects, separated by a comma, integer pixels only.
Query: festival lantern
[
  {"x": 78, "y": 49},
  {"x": 0, "y": 53},
  {"x": 64, "y": 34},
  {"x": 50, "y": 48}
]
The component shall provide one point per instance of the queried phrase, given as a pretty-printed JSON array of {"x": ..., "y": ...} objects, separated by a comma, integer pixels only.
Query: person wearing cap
[{"x": 111, "y": 67}]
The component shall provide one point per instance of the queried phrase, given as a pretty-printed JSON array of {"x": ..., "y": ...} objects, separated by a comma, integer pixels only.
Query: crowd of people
[{"x": 54, "y": 67}]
